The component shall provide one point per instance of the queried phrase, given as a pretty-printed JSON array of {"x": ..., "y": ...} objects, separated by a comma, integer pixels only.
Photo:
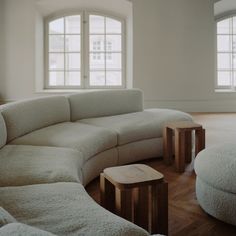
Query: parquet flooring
[{"x": 186, "y": 218}]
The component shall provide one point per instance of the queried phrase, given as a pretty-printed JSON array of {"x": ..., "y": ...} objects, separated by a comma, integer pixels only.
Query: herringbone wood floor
[{"x": 186, "y": 218}]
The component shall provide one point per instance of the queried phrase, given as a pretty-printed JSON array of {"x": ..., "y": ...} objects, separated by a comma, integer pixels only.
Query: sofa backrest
[
  {"x": 3, "y": 132},
  {"x": 28, "y": 115},
  {"x": 105, "y": 103}
]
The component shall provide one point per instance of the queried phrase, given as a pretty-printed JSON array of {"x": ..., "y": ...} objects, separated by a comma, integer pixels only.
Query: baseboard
[
  {"x": 5, "y": 101},
  {"x": 194, "y": 105}
]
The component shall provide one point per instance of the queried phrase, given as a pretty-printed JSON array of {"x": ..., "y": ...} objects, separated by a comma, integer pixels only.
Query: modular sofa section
[
  {"x": 138, "y": 126},
  {"x": 25, "y": 165},
  {"x": 89, "y": 140},
  {"x": 26, "y": 116},
  {"x": 105, "y": 103},
  {"x": 64, "y": 209}
]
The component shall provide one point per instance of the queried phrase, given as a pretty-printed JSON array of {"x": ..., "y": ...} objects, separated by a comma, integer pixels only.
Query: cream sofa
[{"x": 52, "y": 147}]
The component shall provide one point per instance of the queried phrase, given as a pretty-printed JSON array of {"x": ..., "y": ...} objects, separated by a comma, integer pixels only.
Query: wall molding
[
  {"x": 4, "y": 101},
  {"x": 204, "y": 105}
]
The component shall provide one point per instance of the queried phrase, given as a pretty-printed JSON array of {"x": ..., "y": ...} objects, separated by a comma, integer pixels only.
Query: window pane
[
  {"x": 96, "y": 43},
  {"x": 113, "y": 60},
  {"x": 113, "y": 43},
  {"x": 56, "y": 26},
  {"x": 113, "y": 78},
  {"x": 223, "y": 27},
  {"x": 56, "y": 78},
  {"x": 234, "y": 25},
  {"x": 223, "y": 78},
  {"x": 56, "y": 43},
  {"x": 73, "y": 43},
  {"x": 73, "y": 24},
  {"x": 97, "y": 78},
  {"x": 96, "y": 24},
  {"x": 72, "y": 61},
  {"x": 113, "y": 26},
  {"x": 73, "y": 78},
  {"x": 234, "y": 60},
  {"x": 97, "y": 61},
  {"x": 224, "y": 61},
  {"x": 56, "y": 61},
  {"x": 234, "y": 43},
  {"x": 234, "y": 78},
  {"x": 223, "y": 43}
]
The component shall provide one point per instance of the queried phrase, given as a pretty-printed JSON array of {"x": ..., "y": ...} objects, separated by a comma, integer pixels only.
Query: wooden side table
[
  {"x": 137, "y": 193},
  {"x": 182, "y": 131}
]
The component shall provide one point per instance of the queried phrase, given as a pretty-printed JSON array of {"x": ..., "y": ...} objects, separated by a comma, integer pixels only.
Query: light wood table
[
  {"x": 182, "y": 132},
  {"x": 137, "y": 193}
]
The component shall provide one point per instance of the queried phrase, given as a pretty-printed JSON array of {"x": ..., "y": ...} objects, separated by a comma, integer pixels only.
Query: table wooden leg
[
  {"x": 159, "y": 218},
  {"x": 180, "y": 150},
  {"x": 167, "y": 145},
  {"x": 199, "y": 140},
  {"x": 188, "y": 146},
  {"x": 107, "y": 194},
  {"x": 123, "y": 204},
  {"x": 141, "y": 207}
]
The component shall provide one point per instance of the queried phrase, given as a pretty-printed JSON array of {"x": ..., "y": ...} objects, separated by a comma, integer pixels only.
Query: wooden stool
[
  {"x": 183, "y": 142},
  {"x": 137, "y": 193}
]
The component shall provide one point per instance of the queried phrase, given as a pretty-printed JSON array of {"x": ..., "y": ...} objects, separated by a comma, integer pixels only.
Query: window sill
[
  {"x": 68, "y": 91},
  {"x": 59, "y": 91},
  {"x": 225, "y": 91}
]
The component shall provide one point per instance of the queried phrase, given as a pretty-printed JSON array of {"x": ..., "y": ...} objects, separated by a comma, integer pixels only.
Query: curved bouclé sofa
[
  {"x": 215, "y": 186},
  {"x": 53, "y": 146}
]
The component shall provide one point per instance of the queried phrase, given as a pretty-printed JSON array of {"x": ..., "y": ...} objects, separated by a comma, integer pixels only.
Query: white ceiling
[{"x": 223, "y": 6}]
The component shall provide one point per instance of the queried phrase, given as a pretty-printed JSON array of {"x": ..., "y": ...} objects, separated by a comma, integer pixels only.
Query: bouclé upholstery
[
  {"x": 3, "y": 132},
  {"x": 51, "y": 147},
  {"x": 137, "y": 126},
  {"x": 25, "y": 165},
  {"x": 105, "y": 103},
  {"x": 18, "y": 229},
  {"x": 68, "y": 211},
  {"x": 87, "y": 139},
  {"x": 26, "y": 116},
  {"x": 6, "y": 218},
  {"x": 215, "y": 186}
]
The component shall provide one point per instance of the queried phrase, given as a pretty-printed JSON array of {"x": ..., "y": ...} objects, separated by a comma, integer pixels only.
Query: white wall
[
  {"x": 174, "y": 48},
  {"x": 2, "y": 53},
  {"x": 173, "y": 45},
  {"x": 224, "y": 6},
  {"x": 22, "y": 57}
]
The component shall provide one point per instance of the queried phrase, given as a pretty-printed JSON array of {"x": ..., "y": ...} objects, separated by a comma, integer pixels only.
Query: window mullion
[
  {"x": 86, "y": 52},
  {"x": 65, "y": 51},
  {"x": 105, "y": 50}
]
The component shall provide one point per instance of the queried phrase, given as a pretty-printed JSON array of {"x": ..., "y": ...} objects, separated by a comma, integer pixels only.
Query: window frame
[
  {"x": 84, "y": 51},
  {"x": 232, "y": 86}
]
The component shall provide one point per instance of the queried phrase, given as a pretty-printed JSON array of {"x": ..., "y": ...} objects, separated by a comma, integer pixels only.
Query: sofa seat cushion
[
  {"x": 89, "y": 140},
  {"x": 25, "y": 165},
  {"x": 64, "y": 209},
  {"x": 18, "y": 229},
  {"x": 216, "y": 166},
  {"x": 138, "y": 125}
]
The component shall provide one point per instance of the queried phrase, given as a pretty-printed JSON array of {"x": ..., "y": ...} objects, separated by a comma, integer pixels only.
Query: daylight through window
[
  {"x": 84, "y": 53},
  {"x": 226, "y": 53}
]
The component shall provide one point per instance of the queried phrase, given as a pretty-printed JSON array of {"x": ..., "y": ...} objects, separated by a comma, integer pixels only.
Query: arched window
[
  {"x": 226, "y": 53},
  {"x": 84, "y": 50}
]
